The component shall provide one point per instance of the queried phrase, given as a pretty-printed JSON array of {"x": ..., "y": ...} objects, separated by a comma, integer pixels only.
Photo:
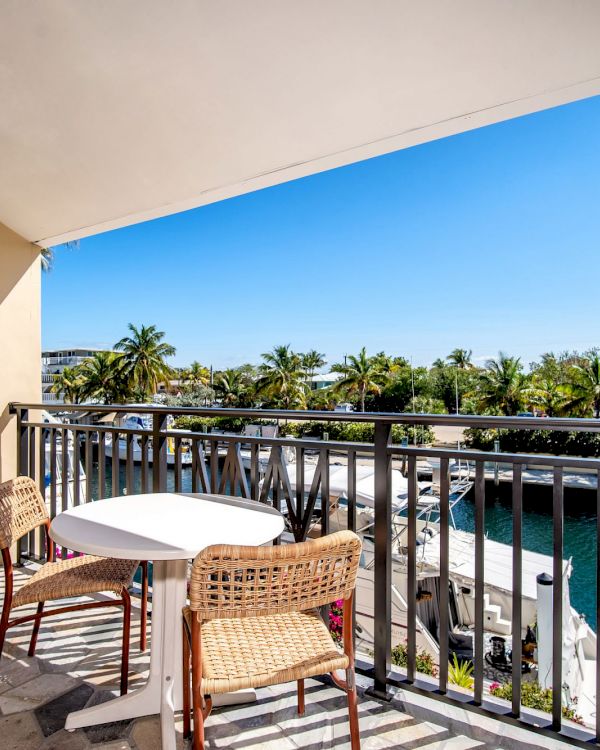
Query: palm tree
[
  {"x": 233, "y": 388},
  {"x": 360, "y": 375},
  {"x": 502, "y": 385},
  {"x": 552, "y": 397},
  {"x": 461, "y": 358},
  {"x": 69, "y": 383},
  {"x": 46, "y": 258},
  {"x": 282, "y": 379},
  {"x": 583, "y": 390},
  {"x": 144, "y": 354},
  {"x": 47, "y": 254},
  {"x": 324, "y": 399},
  {"x": 312, "y": 361},
  {"x": 386, "y": 364},
  {"x": 197, "y": 374},
  {"x": 104, "y": 378}
]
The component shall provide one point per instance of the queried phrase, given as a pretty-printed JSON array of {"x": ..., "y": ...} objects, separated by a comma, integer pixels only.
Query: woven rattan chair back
[
  {"x": 229, "y": 581},
  {"x": 22, "y": 509}
]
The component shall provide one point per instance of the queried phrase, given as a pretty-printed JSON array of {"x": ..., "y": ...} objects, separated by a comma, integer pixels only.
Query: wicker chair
[
  {"x": 22, "y": 509},
  {"x": 253, "y": 621}
]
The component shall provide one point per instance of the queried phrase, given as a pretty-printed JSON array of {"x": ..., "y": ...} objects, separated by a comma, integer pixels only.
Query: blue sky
[{"x": 489, "y": 240}]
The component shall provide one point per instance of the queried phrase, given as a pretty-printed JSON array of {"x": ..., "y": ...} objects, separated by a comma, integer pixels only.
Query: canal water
[
  {"x": 579, "y": 525},
  {"x": 579, "y": 532}
]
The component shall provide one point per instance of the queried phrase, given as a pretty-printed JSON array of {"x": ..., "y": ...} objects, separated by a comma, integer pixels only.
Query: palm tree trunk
[{"x": 362, "y": 399}]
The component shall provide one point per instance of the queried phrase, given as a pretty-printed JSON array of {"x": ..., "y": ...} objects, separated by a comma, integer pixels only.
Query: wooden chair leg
[
  {"x": 300, "y": 697},
  {"x": 197, "y": 701},
  {"x": 126, "y": 601},
  {"x": 144, "y": 606},
  {"x": 3, "y": 629},
  {"x": 353, "y": 711},
  {"x": 187, "y": 729},
  {"x": 8, "y": 593},
  {"x": 36, "y": 630}
]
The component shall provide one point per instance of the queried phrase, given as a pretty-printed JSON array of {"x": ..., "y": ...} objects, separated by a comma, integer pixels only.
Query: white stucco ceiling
[{"x": 118, "y": 111}]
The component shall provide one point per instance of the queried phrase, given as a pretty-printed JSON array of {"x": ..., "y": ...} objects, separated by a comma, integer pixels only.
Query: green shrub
[
  {"x": 535, "y": 441},
  {"x": 350, "y": 432},
  {"x": 205, "y": 424},
  {"x": 534, "y": 696},
  {"x": 460, "y": 673},
  {"x": 425, "y": 664},
  {"x": 355, "y": 432}
]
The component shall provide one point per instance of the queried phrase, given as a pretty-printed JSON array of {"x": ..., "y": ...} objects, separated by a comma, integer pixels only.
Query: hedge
[
  {"x": 534, "y": 696},
  {"x": 351, "y": 432},
  {"x": 355, "y": 432},
  {"x": 585, "y": 444}
]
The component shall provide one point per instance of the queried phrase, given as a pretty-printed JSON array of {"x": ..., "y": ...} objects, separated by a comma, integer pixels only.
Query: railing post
[
  {"x": 159, "y": 452},
  {"x": 23, "y": 452},
  {"x": 22, "y": 462},
  {"x": 383, "y": 562}
]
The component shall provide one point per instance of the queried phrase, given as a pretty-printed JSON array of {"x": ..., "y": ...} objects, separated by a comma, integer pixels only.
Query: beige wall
[{"x": 20, "y": 336}]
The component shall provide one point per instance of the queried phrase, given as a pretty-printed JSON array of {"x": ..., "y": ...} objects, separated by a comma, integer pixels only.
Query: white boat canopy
[{"x": 365, "y": 484}]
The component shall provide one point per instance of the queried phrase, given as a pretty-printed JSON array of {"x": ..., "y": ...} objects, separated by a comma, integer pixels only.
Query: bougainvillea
[{"x": 336, "y": 620}]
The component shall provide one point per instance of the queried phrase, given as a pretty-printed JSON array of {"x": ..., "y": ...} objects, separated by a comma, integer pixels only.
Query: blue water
[
  {"x": 579, "y": 532},
  {"x": 579, "y": 525}
]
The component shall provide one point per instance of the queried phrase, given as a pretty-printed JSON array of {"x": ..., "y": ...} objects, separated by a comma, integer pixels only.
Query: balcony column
[{"x": 20, "y": 337}]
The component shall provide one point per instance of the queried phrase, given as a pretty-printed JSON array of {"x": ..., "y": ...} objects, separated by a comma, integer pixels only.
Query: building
[
  {"x": 54, "y": 361},
  {"x": 325, "y": 380}
]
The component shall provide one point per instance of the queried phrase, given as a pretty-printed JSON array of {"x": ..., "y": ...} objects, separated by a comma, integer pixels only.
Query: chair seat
[
  {"x": 76, "y": 577},
  {"x": 253, "y": 652}
]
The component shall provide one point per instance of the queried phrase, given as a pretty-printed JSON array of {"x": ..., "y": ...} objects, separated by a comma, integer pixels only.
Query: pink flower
[{"x": 494, "y": 686}]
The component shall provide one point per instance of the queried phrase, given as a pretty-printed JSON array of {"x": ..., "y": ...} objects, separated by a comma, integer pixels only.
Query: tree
[
  {"x": 550, "y": 395},
  {"x": 502, "y": 385},
  {"x": 312, "y": 361},
  {"x": 197, "y": 374},
  {"x": 144, "y": 354},
  {"x": 103, "y": 378},
  {"x": 460, "y": 358},
  {"x": 583, "y": 390},
  {"x": 323, "y": 399},
  {"x": 234, "y": 388},
  {"x": 282, "y": 379},
  {"x": 360, "y": 375},
  {"x": 451, "y": 384},
  {"x": 47, "y": 254},
  {"x": 69, "y": 383},
  {"x": 46, "y": 258},
  {"x": 389, "y": 365},
  {"x": 398, "y": 389}
]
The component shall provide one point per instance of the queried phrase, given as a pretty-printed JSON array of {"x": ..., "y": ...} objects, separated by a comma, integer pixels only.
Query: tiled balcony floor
[{"x": 77, "y": 663}]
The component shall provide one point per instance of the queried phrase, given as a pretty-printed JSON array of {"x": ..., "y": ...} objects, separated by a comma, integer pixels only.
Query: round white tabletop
[
  {"x": 168, "y": 529},
  {"x": 164, "y": 526}
]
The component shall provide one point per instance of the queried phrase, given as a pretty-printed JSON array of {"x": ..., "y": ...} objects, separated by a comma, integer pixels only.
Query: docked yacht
[{"x": 143, "y": 422}]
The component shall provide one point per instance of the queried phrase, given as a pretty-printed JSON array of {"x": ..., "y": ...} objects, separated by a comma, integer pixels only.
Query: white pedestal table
[{"x": 169, "y": 529}]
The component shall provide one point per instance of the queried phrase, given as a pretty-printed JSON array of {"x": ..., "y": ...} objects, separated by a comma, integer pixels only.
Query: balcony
[{"x": 363, "y": 482}]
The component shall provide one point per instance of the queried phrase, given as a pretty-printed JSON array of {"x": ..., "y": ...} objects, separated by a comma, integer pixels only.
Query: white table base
[
  {"x": 169, "y": 529},
  {"x": 162, "y": 693}
]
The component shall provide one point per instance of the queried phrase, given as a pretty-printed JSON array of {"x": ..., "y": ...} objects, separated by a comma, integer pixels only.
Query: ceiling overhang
[{"x": 116, "y": 113}]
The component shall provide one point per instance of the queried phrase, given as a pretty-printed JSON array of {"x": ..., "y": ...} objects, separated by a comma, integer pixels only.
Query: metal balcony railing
[{"x": 261, "y": 468}]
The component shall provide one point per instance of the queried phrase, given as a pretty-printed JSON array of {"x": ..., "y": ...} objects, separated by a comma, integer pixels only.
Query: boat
[
  {"x": 143, "y": 422},
  {"x": 535, "y": 640},
  {"x": 579, "y": 640},
  {"x": 53, "y": 475}
]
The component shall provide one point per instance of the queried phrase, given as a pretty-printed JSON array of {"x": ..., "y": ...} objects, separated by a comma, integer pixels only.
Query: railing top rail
[
  {"x": 537, "y": 459},
  {"x": 452, "y": 454},
  {"x": 452, "y": 420}
]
